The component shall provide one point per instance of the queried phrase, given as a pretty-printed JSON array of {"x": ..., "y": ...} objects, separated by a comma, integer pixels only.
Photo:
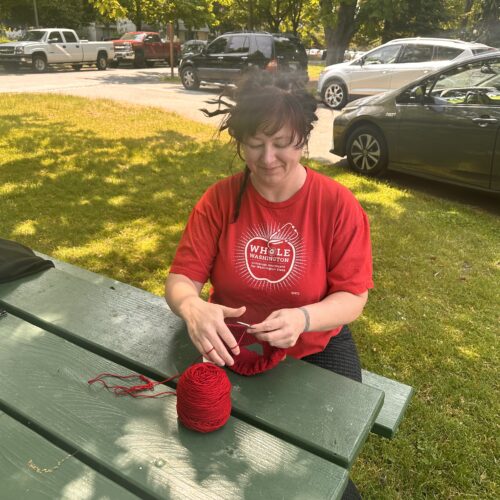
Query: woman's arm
[
  {"x": 204, "y": 320},
  {"x": 282, "y": 328}
]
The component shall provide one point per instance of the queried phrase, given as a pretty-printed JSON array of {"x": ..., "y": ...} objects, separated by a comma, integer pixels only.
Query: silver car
[{"x": 390, "y": 66}]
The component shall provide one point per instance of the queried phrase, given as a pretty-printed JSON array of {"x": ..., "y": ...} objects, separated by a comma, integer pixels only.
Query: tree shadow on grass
[{"x": 65, "y": 187}]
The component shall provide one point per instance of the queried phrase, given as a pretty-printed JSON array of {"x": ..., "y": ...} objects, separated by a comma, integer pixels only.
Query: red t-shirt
[{"x": 278, "y": 255}]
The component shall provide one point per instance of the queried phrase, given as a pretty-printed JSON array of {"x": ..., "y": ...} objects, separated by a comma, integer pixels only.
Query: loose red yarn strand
[
  {"x": 203, "y": 393},
  {"x": 124, "y": 390}
]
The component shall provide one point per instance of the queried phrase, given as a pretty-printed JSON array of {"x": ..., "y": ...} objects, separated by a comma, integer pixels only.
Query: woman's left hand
[{"x": 281, "y": 328}]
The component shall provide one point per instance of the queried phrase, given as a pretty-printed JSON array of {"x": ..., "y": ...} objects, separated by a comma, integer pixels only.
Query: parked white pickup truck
[{"x": 43, "y": 47}]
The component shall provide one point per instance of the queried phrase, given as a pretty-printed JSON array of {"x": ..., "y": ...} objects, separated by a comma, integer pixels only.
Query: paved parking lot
[{"x": 144, "y": 86}]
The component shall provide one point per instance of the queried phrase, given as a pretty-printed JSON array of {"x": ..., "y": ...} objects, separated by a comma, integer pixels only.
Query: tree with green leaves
[
  {"x": 384, "y": 20},
  {"x": 194, "y": 13},
  {"x": 68, "y": 14}
]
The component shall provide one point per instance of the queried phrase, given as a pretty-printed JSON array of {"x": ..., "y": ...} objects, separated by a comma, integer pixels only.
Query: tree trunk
[
  {"x": 138, "y": 15},
  {"x": 467, "y": 9},
  {"x": 251, "y": 22},
  {"x": 387, "y": 31},
  {"x": 339, "y": 22},
  {"x": 296, "y": 15}
]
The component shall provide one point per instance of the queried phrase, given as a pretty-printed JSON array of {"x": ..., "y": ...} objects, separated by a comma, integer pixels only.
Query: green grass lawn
[
  {"x": 314, "y": 68},
  {"x": 109, "y": 187}
]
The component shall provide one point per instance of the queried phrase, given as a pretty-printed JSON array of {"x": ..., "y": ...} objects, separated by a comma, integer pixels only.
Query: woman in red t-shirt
[{"x": 286, "y": 250}]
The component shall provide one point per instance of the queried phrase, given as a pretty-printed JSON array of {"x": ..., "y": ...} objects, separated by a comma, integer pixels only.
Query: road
[{"x": 144, "y": 86}]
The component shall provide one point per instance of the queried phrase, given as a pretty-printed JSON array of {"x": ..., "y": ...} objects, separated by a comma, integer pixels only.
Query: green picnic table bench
[{"x": 294, "y": 432}]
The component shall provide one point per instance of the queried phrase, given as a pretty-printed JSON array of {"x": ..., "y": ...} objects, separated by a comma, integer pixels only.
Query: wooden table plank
[
  {"x": 104, "y": 281},
  {"x": 320, "y": 410},
  {"x": 396, "y": 401},
  {"x": 32, "y": 468},
  {"x": 139, "y": 442}
]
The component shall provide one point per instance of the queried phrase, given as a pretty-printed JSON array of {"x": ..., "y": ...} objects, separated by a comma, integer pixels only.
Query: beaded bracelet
[{"x": 308, "y": 318}]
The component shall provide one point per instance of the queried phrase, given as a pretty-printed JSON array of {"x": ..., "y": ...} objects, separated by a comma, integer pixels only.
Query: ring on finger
[{"x": 208, "y": 352}]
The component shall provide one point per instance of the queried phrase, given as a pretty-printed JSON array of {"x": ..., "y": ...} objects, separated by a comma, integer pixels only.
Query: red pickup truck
[{"x": 143, "y": 48}]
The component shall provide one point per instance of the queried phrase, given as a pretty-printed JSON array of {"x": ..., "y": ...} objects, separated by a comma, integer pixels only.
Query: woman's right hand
[{"x": 208, "y": 331}]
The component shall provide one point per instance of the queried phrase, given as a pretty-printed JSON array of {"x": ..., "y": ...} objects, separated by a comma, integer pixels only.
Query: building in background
[{"x": 98, "y": 31}]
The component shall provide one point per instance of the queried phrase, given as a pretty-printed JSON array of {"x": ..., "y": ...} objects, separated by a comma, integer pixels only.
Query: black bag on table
[{"x": 17, "y": 261}]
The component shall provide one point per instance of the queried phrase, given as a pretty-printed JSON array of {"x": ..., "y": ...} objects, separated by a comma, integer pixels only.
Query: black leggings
[{"x": 341, "y": 356}]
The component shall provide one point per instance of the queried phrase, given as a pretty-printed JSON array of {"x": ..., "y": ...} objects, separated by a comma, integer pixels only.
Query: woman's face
[{"x": 272, "y": 160}]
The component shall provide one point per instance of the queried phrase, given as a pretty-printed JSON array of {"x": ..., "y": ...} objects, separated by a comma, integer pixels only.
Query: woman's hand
[
  {"x": 208, "y": 332},
  {"x": 281, "y": 328}
]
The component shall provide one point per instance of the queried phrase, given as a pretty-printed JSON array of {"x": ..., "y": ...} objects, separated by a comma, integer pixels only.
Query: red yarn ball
[{"x": 204, "y": 397}]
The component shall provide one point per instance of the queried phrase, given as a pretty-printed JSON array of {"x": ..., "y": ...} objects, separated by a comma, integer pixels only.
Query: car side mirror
[{"x": 417, "y": 94}]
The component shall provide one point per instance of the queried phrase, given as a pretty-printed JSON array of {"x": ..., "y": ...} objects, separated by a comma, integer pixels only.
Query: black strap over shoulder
[{"x": 17, "y": 261}]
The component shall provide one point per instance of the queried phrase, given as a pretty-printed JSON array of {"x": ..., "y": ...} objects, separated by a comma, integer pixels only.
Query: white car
[
  {"x": 41, "y": 48},
  {"x": 390, "y": 66}
]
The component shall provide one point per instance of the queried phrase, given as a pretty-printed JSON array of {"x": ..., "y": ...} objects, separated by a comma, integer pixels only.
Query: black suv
[{"x": 223, "y": 60}]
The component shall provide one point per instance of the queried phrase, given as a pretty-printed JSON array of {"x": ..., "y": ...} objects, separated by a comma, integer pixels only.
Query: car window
[
  {"x": 482, "y": 50},
  {"x": 446, "y": 53},
  {"x": 156, "y": 38},
  {"x": 264, "y": 45},
  {"x": 218, "y": 46},
  {"x": 55, "y": 37},
  {"x": 383, "y": 55},
  {"x": 32, "y": 36},
  {"x": 237, "y": 44},
  {"x": 131, "y": 36},
  {"x": 285, "y": 47},
  {"x": 416, "y": 53},
  {"x": 70, "y": 37},
  {"x": 473, "y": 83}
]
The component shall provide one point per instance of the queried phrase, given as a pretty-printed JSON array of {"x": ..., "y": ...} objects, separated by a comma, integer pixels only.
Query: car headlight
[{"x": 19, "y": 50}]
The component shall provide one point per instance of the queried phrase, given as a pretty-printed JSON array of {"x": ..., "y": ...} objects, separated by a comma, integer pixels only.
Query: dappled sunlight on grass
[
  {"x": 110, "y": 187},
  {"x": 104, "y": 178},
  {"x": 25, "y": 228}
]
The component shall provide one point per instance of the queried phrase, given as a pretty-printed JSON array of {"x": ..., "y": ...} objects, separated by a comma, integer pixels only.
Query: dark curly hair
[{"x": 265, "y": 102}]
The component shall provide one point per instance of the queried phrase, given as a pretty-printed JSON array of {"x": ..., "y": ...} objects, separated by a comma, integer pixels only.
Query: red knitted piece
[{"x": 249, "y": 362}]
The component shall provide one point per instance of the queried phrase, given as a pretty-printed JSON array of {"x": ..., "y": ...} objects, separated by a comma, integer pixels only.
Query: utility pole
[
  {"x": 171, "y": 37},
  {"x": 36, "y": 14}
]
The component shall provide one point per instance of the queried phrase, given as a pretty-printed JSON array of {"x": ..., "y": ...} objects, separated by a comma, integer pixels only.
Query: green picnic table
[{"x": 294, "y": 432}]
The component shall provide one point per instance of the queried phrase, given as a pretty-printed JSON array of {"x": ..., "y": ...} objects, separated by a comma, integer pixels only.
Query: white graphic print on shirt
[{"x": 270, "y": 256}]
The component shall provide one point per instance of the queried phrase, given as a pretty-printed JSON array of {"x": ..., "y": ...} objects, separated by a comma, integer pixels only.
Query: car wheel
[
  {"x": 150, "y": 64},
  {"x": 334, "y": 94},
  {"x": 102, "y": 61},
  {"x": 367, "y": 151},
  {"x": 189, "y": 78},
  {"x": 39, "y": 63},
  {"x": 139, "y": 61}
]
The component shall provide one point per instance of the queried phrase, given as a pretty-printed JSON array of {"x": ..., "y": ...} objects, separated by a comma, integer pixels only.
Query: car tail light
[{"x": 272, "y": 65}]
